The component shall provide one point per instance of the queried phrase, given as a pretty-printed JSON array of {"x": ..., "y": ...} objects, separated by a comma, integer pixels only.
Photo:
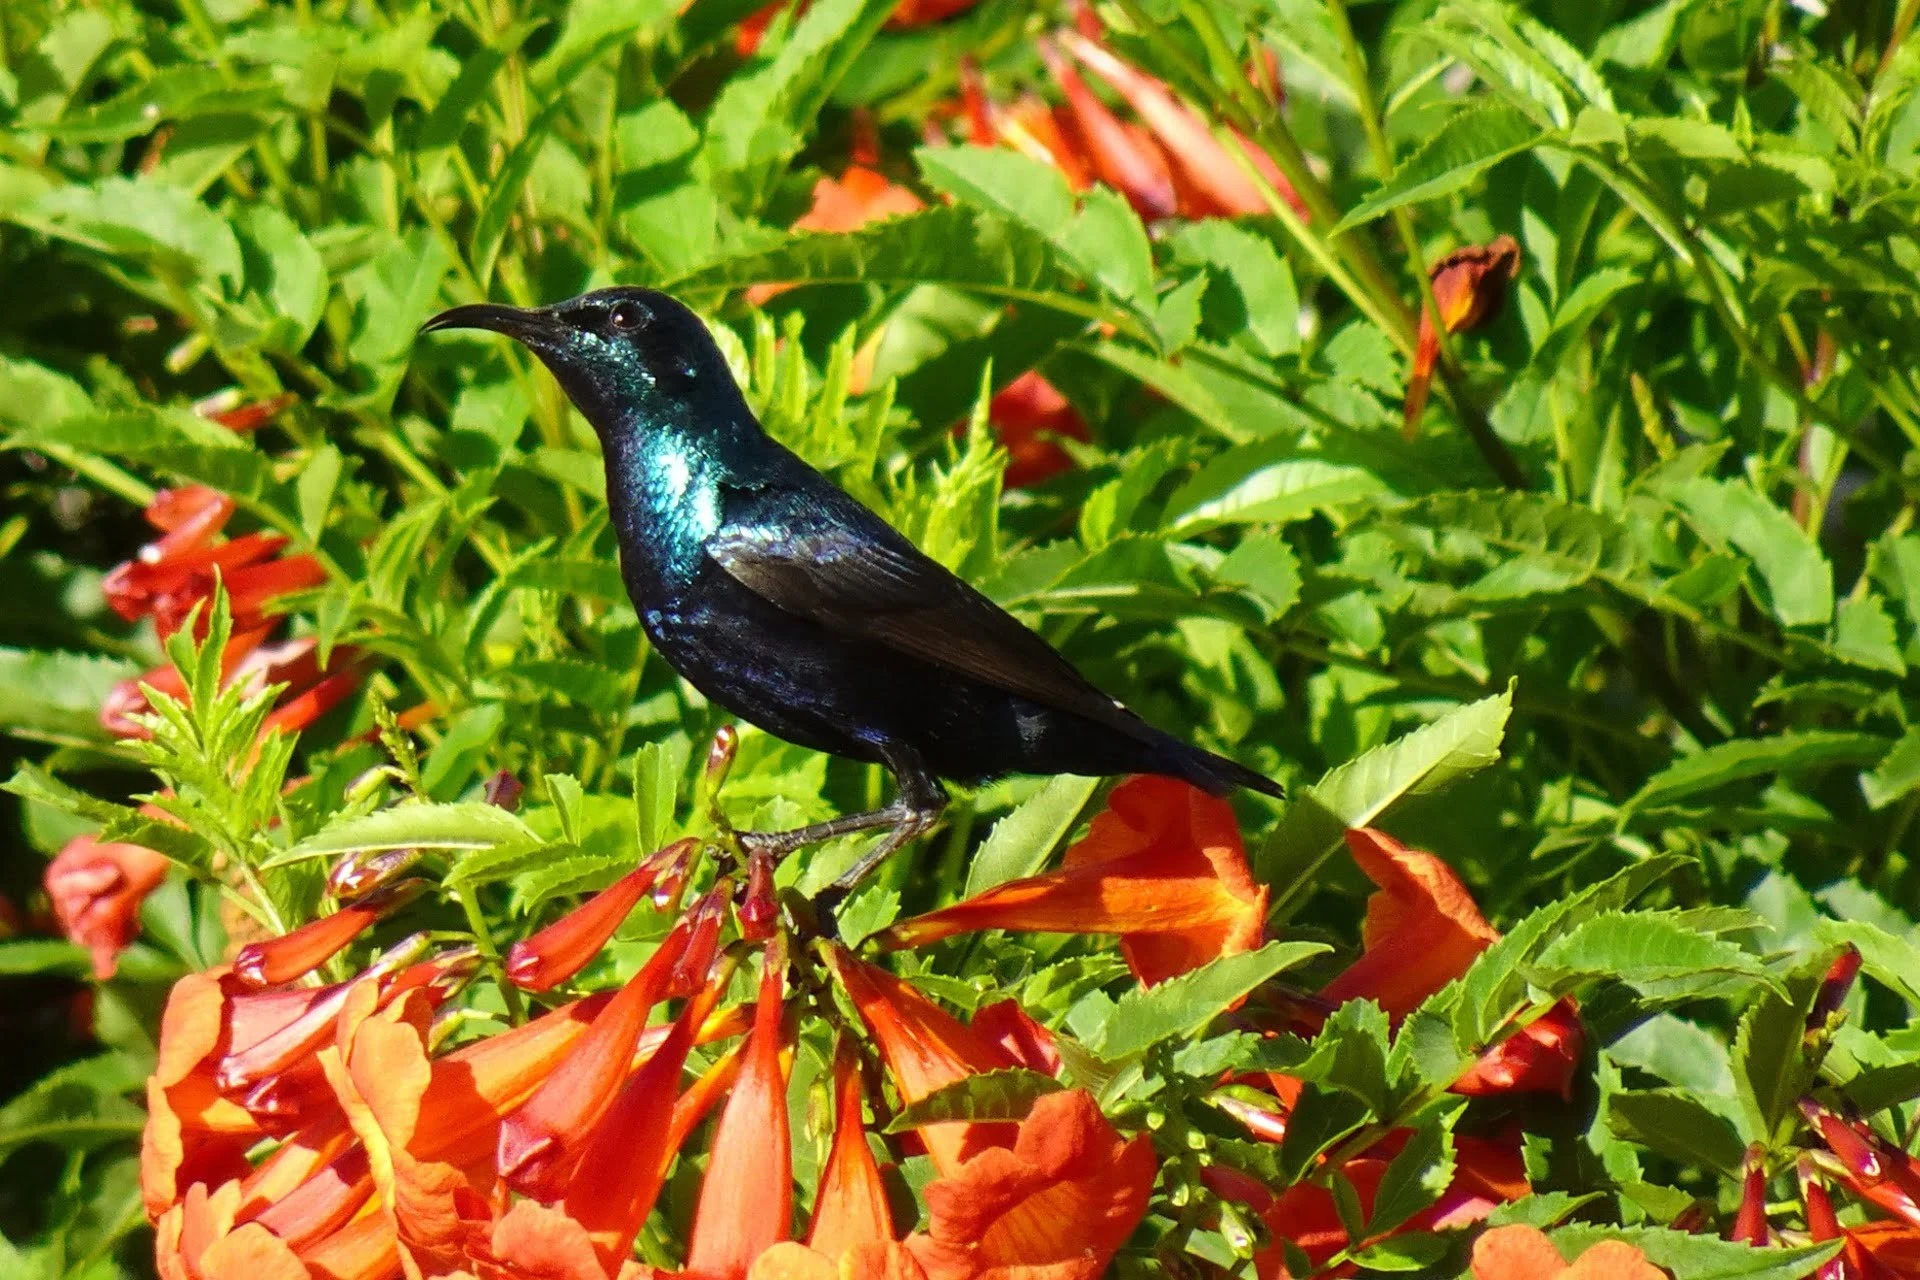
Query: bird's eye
[{"x": 627, "y": 315}]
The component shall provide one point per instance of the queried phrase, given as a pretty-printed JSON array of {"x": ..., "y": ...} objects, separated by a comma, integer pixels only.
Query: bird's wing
[{"x": 843, "y": 567}]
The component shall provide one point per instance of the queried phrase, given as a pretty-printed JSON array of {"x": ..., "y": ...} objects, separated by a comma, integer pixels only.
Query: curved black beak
[{"x": 525, "y": 326}]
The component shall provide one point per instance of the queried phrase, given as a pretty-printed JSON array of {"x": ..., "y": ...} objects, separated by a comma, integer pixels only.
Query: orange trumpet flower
[
  {"x": 925, "y": 1049},
  {"x": 1058, "y": 1204},
  {"x": 300, "y": 952},
  {"x": 746, "y": 1201},
  {"x": 1028, "y": 417},
  {"x": 564, "y": 947},
  {"x": 534, "y": 1156},
  {"x": 1163, "y": 867}
]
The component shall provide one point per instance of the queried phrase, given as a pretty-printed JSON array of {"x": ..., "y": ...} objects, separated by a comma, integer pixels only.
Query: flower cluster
[{"x": 329, "y": 1129}]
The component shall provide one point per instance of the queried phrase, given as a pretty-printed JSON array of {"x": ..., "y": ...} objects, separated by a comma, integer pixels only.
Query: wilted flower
[
  {"x": 96, "y": 888},
  {"x": 1469, "y": 286}
]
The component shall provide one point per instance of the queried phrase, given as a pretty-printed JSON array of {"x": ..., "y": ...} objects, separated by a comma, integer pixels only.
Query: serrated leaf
[
  {"x": 1886, "y": 958},
  {"x": 1006, "y": 1094},
  {"x": 1415, "y": 1178},
  {"x": 1181, "y": 1006},
  {"x": 1020, "y": 843},
  {"x": 1647, "y": 950},
  {"x": 1464, "y": 740},
  {"x": 1676, "y": 1125},
  {"x": 1471, "y": 141},
  {"x": 1261, "y": 483},
  {"x": 1701, "y": 1257},
  {"x": 1896, "y": 774},
  {"x": 467, "y": 825},
  {"x": 1796, "y": 578},
  {"x": 1770, "y": 1065},
  {"x": 1745, "y": 758}
]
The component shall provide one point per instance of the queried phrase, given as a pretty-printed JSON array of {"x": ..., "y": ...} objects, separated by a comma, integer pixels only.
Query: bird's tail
[{"x": 1215, "y": 774}]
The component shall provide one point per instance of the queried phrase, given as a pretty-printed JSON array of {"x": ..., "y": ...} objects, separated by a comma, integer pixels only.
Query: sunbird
[{"x": 781, "y": 598}]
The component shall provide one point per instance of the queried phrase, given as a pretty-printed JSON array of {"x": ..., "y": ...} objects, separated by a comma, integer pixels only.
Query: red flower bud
[{"x": 282, "y": 959}]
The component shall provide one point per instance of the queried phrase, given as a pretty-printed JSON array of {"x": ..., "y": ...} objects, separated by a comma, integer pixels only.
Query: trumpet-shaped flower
[
  {"x": 925, "y": 1049},
  {"x": 564, "y": 947},
  {"x": 1163, "y": 867},
  {"x": 1058, "y": 1203}
]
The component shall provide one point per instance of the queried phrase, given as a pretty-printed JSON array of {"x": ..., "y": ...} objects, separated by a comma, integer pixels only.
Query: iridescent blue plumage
[{"x": 784, "y": 600}]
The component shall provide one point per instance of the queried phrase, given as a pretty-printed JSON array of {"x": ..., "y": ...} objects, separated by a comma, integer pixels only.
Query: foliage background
[{"x": 1666, "y": 497}]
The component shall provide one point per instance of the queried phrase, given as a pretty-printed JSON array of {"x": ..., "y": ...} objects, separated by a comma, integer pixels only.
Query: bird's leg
[
  {"x": 779, "y": 844},
  {"x": 919, "y": 805}
]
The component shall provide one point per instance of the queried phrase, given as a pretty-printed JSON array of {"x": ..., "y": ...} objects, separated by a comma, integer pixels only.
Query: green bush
[{"x": 1620, "y": 625}]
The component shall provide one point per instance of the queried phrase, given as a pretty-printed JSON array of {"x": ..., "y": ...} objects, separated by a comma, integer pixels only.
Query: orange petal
[
  {"x": 1422, "y": 928},
  {"x": 1539, "y": 1058},
  {"x": 564, "y": 947},
  {"x": 1163, "y": 867},
  {"x": 1006, "y": 1024},
  {"x": 538, "y": 1243},
  {"x": 1067, "y": 1195},
  {"x": 1190, "y": 145},
  {"x": 746, "y": 1201},
  {"x": 925, "y": 1048},
  {"x": 851, "y": 1207},
  {"x": 537, "y": 1140},
  {"x": 1613, "y": 1260},
  {"x": 1125, "y": 158},
  {"x": 625, "y": 1163},
  {"x": 1516, "y": 1253}
]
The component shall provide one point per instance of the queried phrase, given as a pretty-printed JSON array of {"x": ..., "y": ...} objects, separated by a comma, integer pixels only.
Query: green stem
[{"x": 490, "y": 952}]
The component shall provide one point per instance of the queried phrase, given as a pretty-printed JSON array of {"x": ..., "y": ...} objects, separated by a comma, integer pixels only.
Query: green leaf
[
  {"x": 954, "y": 246},
  {"x": 1648, "y": 951},
  {"x": 1745, "y": 758},
  {"x": 469, "y": 825},
  {"x": 1886, "y": 958},
  {"x": 1020, "y": 843},
  {"x": 43, "y": 955},
  {"x": 1677, "y": 1125},
  {"x": 1701, "y": 1257},
  {"x": 1262, "y": 483},
  {"x": 153, "y": 224},
  {"x": 1863, "y": 635},
  {"x": 1897, "y": 773},
  {"x": 1471, "y": 141},
  {"x": 57, "y": 695},
  {"x": 1006, "y": 1094},
  {"x": 78, "y": 1107},
  {"x": 1797, "y": 579},
  {"x": 1415, "y": 1178},
  {"x": 1181, "y": 1006},
  {"x": 1355, "y": 794}
]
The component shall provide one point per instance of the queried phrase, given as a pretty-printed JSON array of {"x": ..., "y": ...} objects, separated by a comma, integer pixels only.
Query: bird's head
[{"x": 620, "y": 354}]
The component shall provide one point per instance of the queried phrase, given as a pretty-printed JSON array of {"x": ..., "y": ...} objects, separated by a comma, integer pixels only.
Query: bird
[{"x": 786, "y": 601}]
